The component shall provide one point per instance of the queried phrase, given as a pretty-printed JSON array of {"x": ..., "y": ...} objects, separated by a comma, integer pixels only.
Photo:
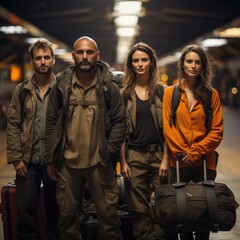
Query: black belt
[{"x": 148, "y": 148}]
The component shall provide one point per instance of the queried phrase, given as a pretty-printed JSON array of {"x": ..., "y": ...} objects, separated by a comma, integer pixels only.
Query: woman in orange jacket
[{"x": 189, "y": 135}]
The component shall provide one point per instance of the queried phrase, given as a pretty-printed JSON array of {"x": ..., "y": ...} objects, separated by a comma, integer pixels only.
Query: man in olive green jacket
[{"x": 82, "y": 138}]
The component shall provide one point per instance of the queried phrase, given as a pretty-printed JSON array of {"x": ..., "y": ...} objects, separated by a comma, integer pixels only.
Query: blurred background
[{"x": 166, "y": 25}]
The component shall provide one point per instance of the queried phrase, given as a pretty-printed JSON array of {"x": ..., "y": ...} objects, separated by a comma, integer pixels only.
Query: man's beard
[
  {"x": 47, "y": 71},
  {"x": 85, "y": 67}
]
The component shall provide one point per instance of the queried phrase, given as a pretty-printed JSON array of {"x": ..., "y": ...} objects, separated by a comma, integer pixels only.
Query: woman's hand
[{"x": 187, "y": 160}]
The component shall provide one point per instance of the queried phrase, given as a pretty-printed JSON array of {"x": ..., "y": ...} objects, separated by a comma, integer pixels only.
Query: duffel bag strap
[
  {"x": 181, "y": 206},
  {"x": 212, "y": 205}
]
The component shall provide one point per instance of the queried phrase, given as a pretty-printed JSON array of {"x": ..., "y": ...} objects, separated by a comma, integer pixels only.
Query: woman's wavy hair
[
  {"x": 203, "y": 82},
  {"x": 129, "y": 79}
]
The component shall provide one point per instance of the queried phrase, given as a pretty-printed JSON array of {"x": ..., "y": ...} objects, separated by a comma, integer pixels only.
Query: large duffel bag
[
  {"x": 196, "y": 216},
  {"x": 189, "y": 207}
]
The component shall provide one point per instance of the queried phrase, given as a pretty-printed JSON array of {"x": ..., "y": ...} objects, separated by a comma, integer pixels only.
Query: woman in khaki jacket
[{"x": 144, "y": 159}]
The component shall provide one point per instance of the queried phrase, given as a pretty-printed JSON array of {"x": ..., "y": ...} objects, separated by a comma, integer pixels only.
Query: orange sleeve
[{"x": 211, "y": 141}]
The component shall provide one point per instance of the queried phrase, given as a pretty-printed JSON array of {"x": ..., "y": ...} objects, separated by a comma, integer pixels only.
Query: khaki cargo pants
[
  {"x": 144, "y": 168},
  {"x": 104, "y": 192}
]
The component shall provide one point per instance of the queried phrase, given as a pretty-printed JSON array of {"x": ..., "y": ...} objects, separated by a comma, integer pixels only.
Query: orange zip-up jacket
[{"x": 190, "y": 134}]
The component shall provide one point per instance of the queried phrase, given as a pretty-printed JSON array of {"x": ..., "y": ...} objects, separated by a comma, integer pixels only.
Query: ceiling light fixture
[
  {"x": 13, "y": 29},
  {"x": 126, "y": 21},
  {"x": 127, "y": 7},
  {"x": 126, "y": 32},
  {"x": 213, "y": 42},
  {"x": 233, "y": 32},
  {"x": 126, "y": 15}
]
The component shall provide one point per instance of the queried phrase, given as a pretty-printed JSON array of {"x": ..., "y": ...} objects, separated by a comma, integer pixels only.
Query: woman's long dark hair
[
  {"x": 129, "y": 79},
  {"x": 203, "y": 82}
]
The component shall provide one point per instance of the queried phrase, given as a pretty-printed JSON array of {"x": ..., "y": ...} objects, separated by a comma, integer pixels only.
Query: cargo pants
[
  {"x": 144, "y": 168},
  {"x": 103, "y": 188}
]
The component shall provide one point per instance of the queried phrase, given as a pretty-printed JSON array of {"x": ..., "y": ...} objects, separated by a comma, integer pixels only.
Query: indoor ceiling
[{"x": 164, "y": 24}]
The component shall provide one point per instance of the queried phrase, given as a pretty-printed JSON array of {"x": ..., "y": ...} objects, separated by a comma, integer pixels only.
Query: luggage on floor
[
  {"x": 9, "y": 213},
  {"x": 189, "y": 207},
  {"x": 89, "y": 221},
  {"x": 126, "y": 222},
  {"x": 89, "y": 224}
]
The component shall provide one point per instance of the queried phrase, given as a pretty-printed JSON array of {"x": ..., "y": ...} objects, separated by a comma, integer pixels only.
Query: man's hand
[
  {"x": 52, "y": 172},
  {"x": 125, "y": 170},
  {"x": 21, "y": 170}
]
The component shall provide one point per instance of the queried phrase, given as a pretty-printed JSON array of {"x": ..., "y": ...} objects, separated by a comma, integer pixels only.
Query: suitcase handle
[{"x": 179, "y": 157}]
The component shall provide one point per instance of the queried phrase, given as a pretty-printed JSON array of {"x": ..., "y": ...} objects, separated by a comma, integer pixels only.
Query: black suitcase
[{"x": 189, "y": 207}]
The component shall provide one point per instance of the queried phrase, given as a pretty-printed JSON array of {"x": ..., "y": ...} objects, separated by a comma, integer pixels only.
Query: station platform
[{"x": 228, "y": 166}]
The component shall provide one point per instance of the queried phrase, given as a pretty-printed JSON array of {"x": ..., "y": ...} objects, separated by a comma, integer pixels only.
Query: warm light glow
[
  {"x": 234, "y": 90},
  {"x": 126, "y": 21},
  {"x": 32, "y": 40},
  {"x": 230, "y": 32},
  {"x": 164, "y": 77},
  {"x": 214, "y": 42},
  {"x": 13, "y": 29},
  {"x": 15, "y": 73},
  {"x": 126, "y": 15},
  {"x": 59, "y": 51},
  {"x": 126, "y": 32},
  {"x": 168, "y": 60},
  {"x": 123, "y": 46},
  {"x": 128, "y": 7},
  {"x": 67, "y": 57}
]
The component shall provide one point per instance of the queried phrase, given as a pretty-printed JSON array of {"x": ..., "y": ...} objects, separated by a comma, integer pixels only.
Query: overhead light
[
  {"x": 126, "y": 15},
  {"x": 169, "y": 59},
  {"x": 164, "y": 77},
  {"x": 213, "y": 42},
  {"x": 13, "y": 29},
  {"x": 35, "y": 39},
  {"x": 59, "y": 51},
  {"x": 128, "y": 7},
  {"x": 67, "y": 57},
  {"x": 234, "y": 90},
  {"x": 123, "y": 46},
  {"x": 32, "y": 40},
  {"x": 126, "y": 21},
  {"x": 126, "y": 32},
  {"x": 233, "y": 32}
]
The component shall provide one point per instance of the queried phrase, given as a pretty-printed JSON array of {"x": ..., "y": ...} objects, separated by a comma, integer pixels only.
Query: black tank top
[{"x": 145, "y": 132}]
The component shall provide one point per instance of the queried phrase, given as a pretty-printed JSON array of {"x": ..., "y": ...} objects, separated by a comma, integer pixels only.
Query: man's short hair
[{"x": 42, "y": 44}]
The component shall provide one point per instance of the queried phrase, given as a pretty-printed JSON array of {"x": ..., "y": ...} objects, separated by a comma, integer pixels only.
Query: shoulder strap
[
  {"x": 208, "y": 110},
  {"x": 206, "y": 105},
  {"x": 175, "y": 102},
  {"x": 107, "y": 95},
  {"x": 160, "y": 91},
  {"x": 22, "y": 97}
]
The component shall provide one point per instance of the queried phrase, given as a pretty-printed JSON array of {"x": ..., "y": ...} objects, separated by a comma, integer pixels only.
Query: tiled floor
[{"x": 228, "y": 168}]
